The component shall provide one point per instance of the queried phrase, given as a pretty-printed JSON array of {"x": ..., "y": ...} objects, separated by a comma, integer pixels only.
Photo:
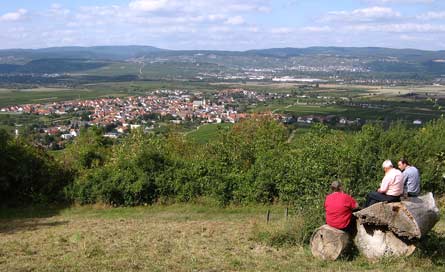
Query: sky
[{"x": 223, "y": 24}]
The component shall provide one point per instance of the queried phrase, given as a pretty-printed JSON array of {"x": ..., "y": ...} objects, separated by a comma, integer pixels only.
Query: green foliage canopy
[{"x": 253, "y": 162}]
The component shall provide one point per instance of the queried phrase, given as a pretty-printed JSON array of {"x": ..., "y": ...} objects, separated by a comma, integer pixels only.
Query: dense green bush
[
  {"x": 90, "y": 150},
  {"x": 129, "y": 175},
  {"x": 254, "y": 163},
  {"x": 428, "y": 153},
  {"x": 28, "y": 175}
]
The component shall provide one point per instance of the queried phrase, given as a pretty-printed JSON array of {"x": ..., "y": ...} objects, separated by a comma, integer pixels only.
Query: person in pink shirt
[{"x": 391, "y": 187}]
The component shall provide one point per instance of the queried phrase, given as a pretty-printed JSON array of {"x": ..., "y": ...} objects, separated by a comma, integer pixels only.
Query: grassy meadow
[
  {"x": 10, "y": 97},
  {"x": 180, "y": 237},
  {"x": 392, "y": 102},
  {"x": 41, "y": 95},
  {"x": 207, "y": 133}
]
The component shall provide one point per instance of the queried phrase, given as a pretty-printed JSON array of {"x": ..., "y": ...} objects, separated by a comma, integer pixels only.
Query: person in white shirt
[{"x": 391, "y": 187}]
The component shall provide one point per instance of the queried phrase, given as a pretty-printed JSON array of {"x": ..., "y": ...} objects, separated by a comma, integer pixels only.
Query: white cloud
[
  {"x": 219, "y": 24},
  {"x": 200, "y": 6},
  {"x": 282, "y": 30},
  {"x": 253, "y": 29},
  {"x": 401, "y": 1},
  {"x": 14, "y": 16},
  {"x": 398, "y": 28},
  {"x": 247, "y": 7},
  {"x": 316, "y": 29},
  {"x": 58, "y": 10},
  {"x": 236, "y": 20},
  {"x": 224, "y": 29},
  {"x": 432, "y": 15},
  {"x": 299, "y": 30},
  {"x": 149, "y": 5},
  {"x": 163, "y": 23},
  {"x": 416, "y": 38},
  {"x": 215, "y": 17},
  {"x": 365, "y": 14}
]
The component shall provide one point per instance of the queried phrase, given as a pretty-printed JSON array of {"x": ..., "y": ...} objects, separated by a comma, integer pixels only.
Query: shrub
[
  {"x": 28, "y": 174},
  {"x": 253, "y": 163}
]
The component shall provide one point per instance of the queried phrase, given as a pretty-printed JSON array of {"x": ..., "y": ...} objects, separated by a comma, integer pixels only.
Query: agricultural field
[
  {"x": 26, "y": 95},
  {"x": 366, "y": 91},
  {"x": 388, "y": 111},
  {"x": 207, "y": 133},
  {"x": 9, "y": 121},
  {"x": 391, "y": 112},
  {"x": 153, "y": 70},
  {"x": 400, "y": 91},
  {"x": 181, "y": 237},
  {"x": 364, "y": 102},
  {"x": 151, "y": 85},
  {"x": 114, "y": 69},
  {"x": 40, "y": 95},
  {"x": 10, "y": 97},
  {"x": 298, "y": 108},
  {"x": 386, "y": 103}
]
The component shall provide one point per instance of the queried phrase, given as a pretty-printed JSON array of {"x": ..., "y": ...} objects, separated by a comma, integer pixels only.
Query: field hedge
[
  {"x": 252, "y": 162},
  {"x": 28, "y": 175}
]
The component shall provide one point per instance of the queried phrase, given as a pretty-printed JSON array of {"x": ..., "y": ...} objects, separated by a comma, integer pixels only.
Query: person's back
[
  {"x": 338, "y": 207},
  {"x": 392, "y": 183},
  {"x": 391, "y": 187},
  {"x": 411, "y": 178}
]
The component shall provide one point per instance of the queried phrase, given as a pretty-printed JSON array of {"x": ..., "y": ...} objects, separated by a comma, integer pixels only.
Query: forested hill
[
  {"x": 126, "y": 52},
  {"x": 74, "y": 52},
  {"x": 367, "y": 59},
  {"x": 403, "y": 54}
]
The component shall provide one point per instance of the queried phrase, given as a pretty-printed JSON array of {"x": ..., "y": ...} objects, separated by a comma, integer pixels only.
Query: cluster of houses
[
  {"x": 120, "y": 115},
  {"x": 124, "y": 114}
]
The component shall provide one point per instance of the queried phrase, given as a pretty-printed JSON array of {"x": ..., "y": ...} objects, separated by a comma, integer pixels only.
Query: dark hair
[{"x": 404, "y": 161}]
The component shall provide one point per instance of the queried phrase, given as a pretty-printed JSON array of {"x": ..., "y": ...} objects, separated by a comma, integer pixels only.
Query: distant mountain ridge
[
  {"x": 363, "y": 59},
  {"x": 346, "y": 51},
  {"x": 77, "y": 52},
  {"x": 134, "y": 51}
]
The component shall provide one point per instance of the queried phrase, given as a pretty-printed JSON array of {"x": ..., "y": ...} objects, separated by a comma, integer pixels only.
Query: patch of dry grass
[{"x": 162, "y": 239}]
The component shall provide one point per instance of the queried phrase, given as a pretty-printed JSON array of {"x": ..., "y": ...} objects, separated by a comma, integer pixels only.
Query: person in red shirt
[{"x": 339, "y": 207}]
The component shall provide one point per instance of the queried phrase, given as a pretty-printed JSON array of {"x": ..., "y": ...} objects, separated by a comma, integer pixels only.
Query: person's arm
[
  {"x": 405, "y": 178},
  {"x": 352, "y": 203},
  {"x": 385, "y": 184}
]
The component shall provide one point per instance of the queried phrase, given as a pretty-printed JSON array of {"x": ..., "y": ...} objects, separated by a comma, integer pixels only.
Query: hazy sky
[{"x": 223, "y": 24}]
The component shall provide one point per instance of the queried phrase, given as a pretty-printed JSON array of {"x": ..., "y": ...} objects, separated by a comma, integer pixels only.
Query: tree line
[{"x": 252, "y": 162}]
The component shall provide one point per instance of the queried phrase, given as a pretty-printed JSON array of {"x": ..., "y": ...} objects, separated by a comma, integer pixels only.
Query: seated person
[
  {"x": 339, "y": 207},
  {"x": 391, "y": 187},
  {"x": 411, "y": 178}
]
